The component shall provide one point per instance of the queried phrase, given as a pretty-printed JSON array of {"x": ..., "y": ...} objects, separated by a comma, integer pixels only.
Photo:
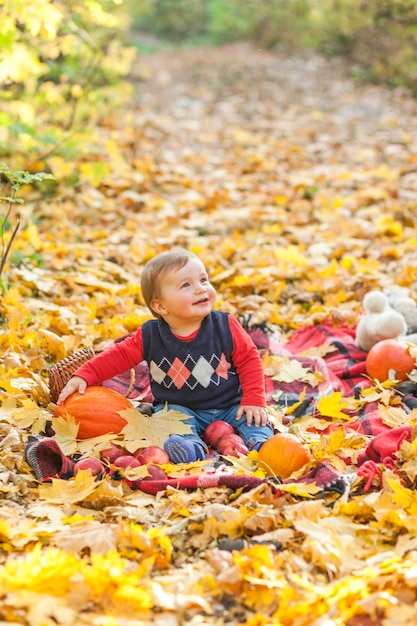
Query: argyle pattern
[
  {"x": 198, "y": 373},
  {"x": 190, "y": 372}
]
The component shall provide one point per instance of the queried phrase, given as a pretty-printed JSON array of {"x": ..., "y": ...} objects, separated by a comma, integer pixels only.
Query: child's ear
[{"x": 158, "y": 307}]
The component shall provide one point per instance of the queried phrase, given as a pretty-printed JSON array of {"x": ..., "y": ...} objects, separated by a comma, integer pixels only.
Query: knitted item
[
  {"x": 383, "y": 447},
  {"x": 369, "y": 471},
  {"x": 327, "y": 477},
  {"x": 202, "y": 481},
  {"x": 181, "y": 450},
  {"x": 192, "y": 372},
  {"x": 47, "y": 459}
]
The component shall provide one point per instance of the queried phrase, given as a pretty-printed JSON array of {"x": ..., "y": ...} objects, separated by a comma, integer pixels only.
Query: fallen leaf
[
  {"x": 286, "y": 370},
  {"x": 144, "y": 430},
  {"x": 333, "y": 405},
  {"x": 69, "y": 491}
]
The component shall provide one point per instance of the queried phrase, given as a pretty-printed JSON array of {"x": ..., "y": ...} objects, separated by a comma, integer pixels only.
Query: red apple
[
  {"x": 153, "y": 454},
  {"x": 93, "y": 464},
  {"x": 231, "y": 451},
  {"x": 232, "y": 443},
  {"x": 215, "y": 431},
  {"x": 156, "y": 473},
  {"x": 111, "y": 454},
  {"x": 127, "y": 460},
  {"x": 121, "y": 464}
]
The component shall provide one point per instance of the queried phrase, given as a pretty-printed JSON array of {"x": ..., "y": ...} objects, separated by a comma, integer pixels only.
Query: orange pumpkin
[
  {"x": 390, "y": 359},
  {"x": 96, "y": 411},
  {"x": 283, "y": 454}
]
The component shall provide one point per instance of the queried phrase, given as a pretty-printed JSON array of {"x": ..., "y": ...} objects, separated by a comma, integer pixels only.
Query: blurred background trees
[
  {"x": 64, "y": 64},
  {"x": 67, "y": 86},
  {"x": 378, "y": 36}
]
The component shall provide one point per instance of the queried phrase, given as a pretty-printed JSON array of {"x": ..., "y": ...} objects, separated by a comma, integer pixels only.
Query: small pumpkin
[
  {"x": 283, "y": 454},
  {"x": 96, "y": 411},
  {"x": 390, "y": 359}
]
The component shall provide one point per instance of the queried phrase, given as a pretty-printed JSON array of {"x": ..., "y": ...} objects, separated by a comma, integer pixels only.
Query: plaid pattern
[
  {"x": 345, "y": 364},
  {"x": 342, "y": 369}
]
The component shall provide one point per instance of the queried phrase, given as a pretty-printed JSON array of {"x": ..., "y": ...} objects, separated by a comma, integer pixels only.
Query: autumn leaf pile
[{"x": 297, "y": 187}]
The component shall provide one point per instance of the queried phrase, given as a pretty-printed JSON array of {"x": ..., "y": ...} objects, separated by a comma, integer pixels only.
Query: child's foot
[{"x": 181, "y": 450}]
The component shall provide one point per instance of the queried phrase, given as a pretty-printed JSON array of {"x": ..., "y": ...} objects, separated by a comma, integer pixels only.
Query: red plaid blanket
[{"x": 342, "y": 369}]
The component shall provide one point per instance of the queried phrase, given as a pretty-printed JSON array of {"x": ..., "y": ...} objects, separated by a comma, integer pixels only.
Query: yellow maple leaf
[
  {"x": 232, "y": 526},
  {"x": 142, "y": 430},
  {"x": 69, "y": 491},
  {"x": 31, "y": 416},
  {"x": 289, "y": 410},
  {"x": 332, "y": 405},
  {"x": 402, "y": 497},
  {"x": 66, "y": 430},
  {"x": 304, "y": 490},
  {"x": 6, "y": 409},
  {"x": 245, "y": 463},
  {"x": 54, "y": 344},
  {"x": 287, "y": 370},
  {"x": 336, "y": 445},
  {"x": 94, "y": 445},
  {"x": 396, "y": 416},
  {"x": 322, "y": 351}
]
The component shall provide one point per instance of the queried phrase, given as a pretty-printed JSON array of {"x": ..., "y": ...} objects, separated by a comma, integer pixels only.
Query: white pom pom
[
  {"x": 375, "y": 302},
  {"x": 390, "y": 324}
]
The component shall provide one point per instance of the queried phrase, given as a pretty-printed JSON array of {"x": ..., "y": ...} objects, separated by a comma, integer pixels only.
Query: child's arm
[
  {"x": 119, "y": 358},
  {"x": 248, "y": 363},
  {"x": 75, "y": 383}
]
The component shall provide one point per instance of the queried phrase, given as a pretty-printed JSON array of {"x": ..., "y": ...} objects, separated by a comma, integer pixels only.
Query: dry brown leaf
[{"x": 86, "y": 534}]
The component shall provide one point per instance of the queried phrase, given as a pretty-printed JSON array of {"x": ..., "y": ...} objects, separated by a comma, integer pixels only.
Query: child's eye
[
  {"x": 185, "y": 285},
  {"x": 204, "y": 280}
]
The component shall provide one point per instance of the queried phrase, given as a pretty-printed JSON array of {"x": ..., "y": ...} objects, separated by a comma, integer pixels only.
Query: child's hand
[
  {"x": 256, "y": 414},
  {"x": 76, "y": 383}
]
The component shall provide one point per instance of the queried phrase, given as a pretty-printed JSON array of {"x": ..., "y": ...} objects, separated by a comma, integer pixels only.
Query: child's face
[{"x": 185, "y": 295}]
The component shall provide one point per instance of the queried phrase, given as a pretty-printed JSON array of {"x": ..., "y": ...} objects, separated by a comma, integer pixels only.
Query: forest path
[
  {"x": 302, "y": 98},
  {"x": 281, "y": 164}
]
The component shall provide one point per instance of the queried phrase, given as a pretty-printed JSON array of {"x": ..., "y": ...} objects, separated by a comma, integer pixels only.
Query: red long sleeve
[
  {"x": 122, "y": 356},
  {"x": 117, "y": 359},
  {"x": 248, "y": 363}
]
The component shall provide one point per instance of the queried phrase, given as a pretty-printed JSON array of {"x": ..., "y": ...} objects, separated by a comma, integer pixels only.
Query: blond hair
[{"x": 164, "y": 262}]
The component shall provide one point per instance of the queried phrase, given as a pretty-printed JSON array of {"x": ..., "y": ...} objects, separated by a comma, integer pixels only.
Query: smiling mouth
[{"x": 202, "y": 301}]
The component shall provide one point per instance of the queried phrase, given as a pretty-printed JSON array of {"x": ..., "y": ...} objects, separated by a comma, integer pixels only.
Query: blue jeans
[{"x": 199, "y": 420}]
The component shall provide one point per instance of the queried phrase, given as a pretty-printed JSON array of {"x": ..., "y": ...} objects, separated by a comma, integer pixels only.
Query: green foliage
[
  {"x": 267, "y": 21},
  {"x": 378, "y": 36},
  {"x": 14, "y": 182},
  {"x": 174, "y": 20},
  {"x": 60, "y": 62}
]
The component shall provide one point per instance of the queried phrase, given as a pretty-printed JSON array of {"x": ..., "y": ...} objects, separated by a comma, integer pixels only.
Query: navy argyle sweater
[{"x": 199, "y": 373}]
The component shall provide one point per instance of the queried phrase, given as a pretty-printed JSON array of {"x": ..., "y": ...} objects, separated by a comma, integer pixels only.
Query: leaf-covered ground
[{"x": 298, "y": 189}]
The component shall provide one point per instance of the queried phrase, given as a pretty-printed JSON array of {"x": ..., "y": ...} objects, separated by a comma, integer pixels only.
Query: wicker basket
[{"x": 61, "y": 372}]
